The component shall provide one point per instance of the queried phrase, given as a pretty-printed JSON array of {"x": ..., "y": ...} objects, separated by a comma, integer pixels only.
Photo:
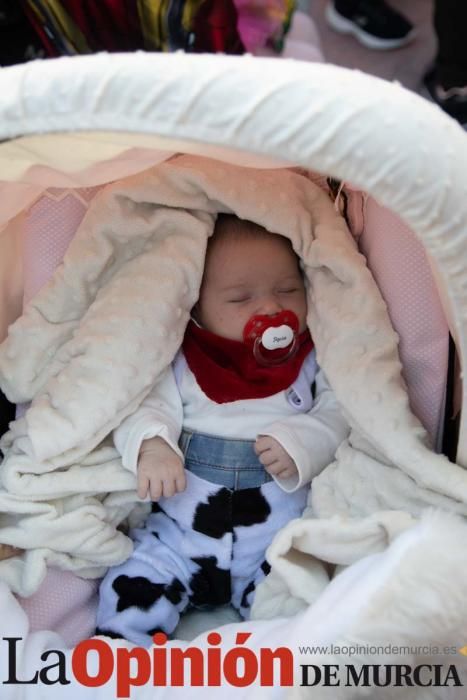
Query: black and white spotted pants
[{"x": 202, "y": 548}]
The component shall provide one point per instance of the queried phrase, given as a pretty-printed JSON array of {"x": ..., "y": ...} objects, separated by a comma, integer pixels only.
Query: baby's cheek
[
  {"x": 228, "y": 324},
  {"x": 239, "y": 319}
]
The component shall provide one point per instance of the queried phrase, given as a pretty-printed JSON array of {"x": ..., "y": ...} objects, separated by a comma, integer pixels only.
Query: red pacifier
[{"x": 274, "y": 338}]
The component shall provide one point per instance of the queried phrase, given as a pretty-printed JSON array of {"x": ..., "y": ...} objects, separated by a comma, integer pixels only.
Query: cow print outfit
[{"x": 200, "y": 548}]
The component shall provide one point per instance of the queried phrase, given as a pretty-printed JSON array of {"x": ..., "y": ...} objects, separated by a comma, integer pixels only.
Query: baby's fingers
[
  {"x": 285, "y": 472},
  {"x": 267, "y": 458},
  {"x": 262, "y": 444},
  {"x": 180, "y": 482},
  {"x": 275, "y": 468},
  {"x": 278, "y": 469},
  {"x": 156, "y": 486},
  {"x": 143, "y": 485},
  {"x": 168, "y": 487}
]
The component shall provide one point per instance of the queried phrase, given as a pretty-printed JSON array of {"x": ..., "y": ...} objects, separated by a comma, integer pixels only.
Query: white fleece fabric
[
  {"x": 310, "y": 438},
  {"x": 92, "y": 343}
]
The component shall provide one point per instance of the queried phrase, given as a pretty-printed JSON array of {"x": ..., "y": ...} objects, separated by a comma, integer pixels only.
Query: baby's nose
[{"x": 270, "y": 306}]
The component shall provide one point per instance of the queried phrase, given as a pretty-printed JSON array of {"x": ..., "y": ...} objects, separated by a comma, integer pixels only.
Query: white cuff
[{"x": 144, "y": 429}]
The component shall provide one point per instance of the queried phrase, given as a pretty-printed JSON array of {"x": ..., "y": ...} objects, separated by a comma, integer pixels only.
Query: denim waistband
[{"x": 224, "y": 461}]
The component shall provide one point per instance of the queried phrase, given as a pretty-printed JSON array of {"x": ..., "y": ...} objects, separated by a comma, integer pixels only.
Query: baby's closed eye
[
  {"x": 289, "y": 290},
  {"x": 239, "y": 300}
]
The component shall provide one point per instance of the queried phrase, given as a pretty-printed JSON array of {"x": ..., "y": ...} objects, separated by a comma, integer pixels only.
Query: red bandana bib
[{"x": 226, "y": 370}]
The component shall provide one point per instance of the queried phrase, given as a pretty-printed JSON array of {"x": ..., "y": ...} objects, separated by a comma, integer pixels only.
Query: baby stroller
[{"x": 71, "y": 127}]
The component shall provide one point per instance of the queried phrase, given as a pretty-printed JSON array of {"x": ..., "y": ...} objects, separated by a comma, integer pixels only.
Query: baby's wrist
[
  {"x": 158, "y": 450},
  {"x": 151, "y": 443}
]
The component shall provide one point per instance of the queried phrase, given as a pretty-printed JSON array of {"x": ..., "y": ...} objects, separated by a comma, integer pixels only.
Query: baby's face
[{"x": 248, "y": 276}]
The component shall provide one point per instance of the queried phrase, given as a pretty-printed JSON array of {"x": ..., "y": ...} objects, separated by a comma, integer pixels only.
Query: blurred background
[
  {"x": 30, "y": 29},
  {"x": 407, "y": 64}
]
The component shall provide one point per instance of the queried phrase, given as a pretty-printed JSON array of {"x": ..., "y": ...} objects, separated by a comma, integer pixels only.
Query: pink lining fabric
[
  {"x": 65, "y": 604},
  {"x": 51, "y": 224},
  {"x": 399, "y": 264}
]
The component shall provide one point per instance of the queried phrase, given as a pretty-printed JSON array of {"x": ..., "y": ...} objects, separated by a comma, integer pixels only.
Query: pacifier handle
[{"x": 265, "y": 361}]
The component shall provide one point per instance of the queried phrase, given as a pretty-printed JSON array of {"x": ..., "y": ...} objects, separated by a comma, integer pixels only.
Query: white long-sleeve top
[{"x": 310, "y": 438}]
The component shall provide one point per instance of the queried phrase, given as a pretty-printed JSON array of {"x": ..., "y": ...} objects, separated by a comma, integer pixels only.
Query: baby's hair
[{"x": 232, "y": 227}]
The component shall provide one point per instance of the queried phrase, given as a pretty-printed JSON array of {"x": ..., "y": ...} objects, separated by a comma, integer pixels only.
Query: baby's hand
[
  {"x": 160, "y": 470},
  {"x": 274, "y": 458},
  {"x": 7, "y": 551}
]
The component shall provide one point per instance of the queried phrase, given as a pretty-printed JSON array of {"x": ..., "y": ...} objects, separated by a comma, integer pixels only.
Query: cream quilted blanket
[{"x": 91, "y": 344}]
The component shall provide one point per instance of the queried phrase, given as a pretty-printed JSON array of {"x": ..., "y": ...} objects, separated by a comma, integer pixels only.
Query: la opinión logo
[{"x": 94, "y": 663}]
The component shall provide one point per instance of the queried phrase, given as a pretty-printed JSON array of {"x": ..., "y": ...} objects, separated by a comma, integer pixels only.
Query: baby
[{"x": 226, "y": 443}]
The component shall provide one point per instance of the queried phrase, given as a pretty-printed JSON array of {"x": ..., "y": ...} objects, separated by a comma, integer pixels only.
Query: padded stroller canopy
[{"x": 85, "y": 120}]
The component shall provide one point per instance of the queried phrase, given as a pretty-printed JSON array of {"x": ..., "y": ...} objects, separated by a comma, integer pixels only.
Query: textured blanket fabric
[{"x": 91, "y": 344}]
